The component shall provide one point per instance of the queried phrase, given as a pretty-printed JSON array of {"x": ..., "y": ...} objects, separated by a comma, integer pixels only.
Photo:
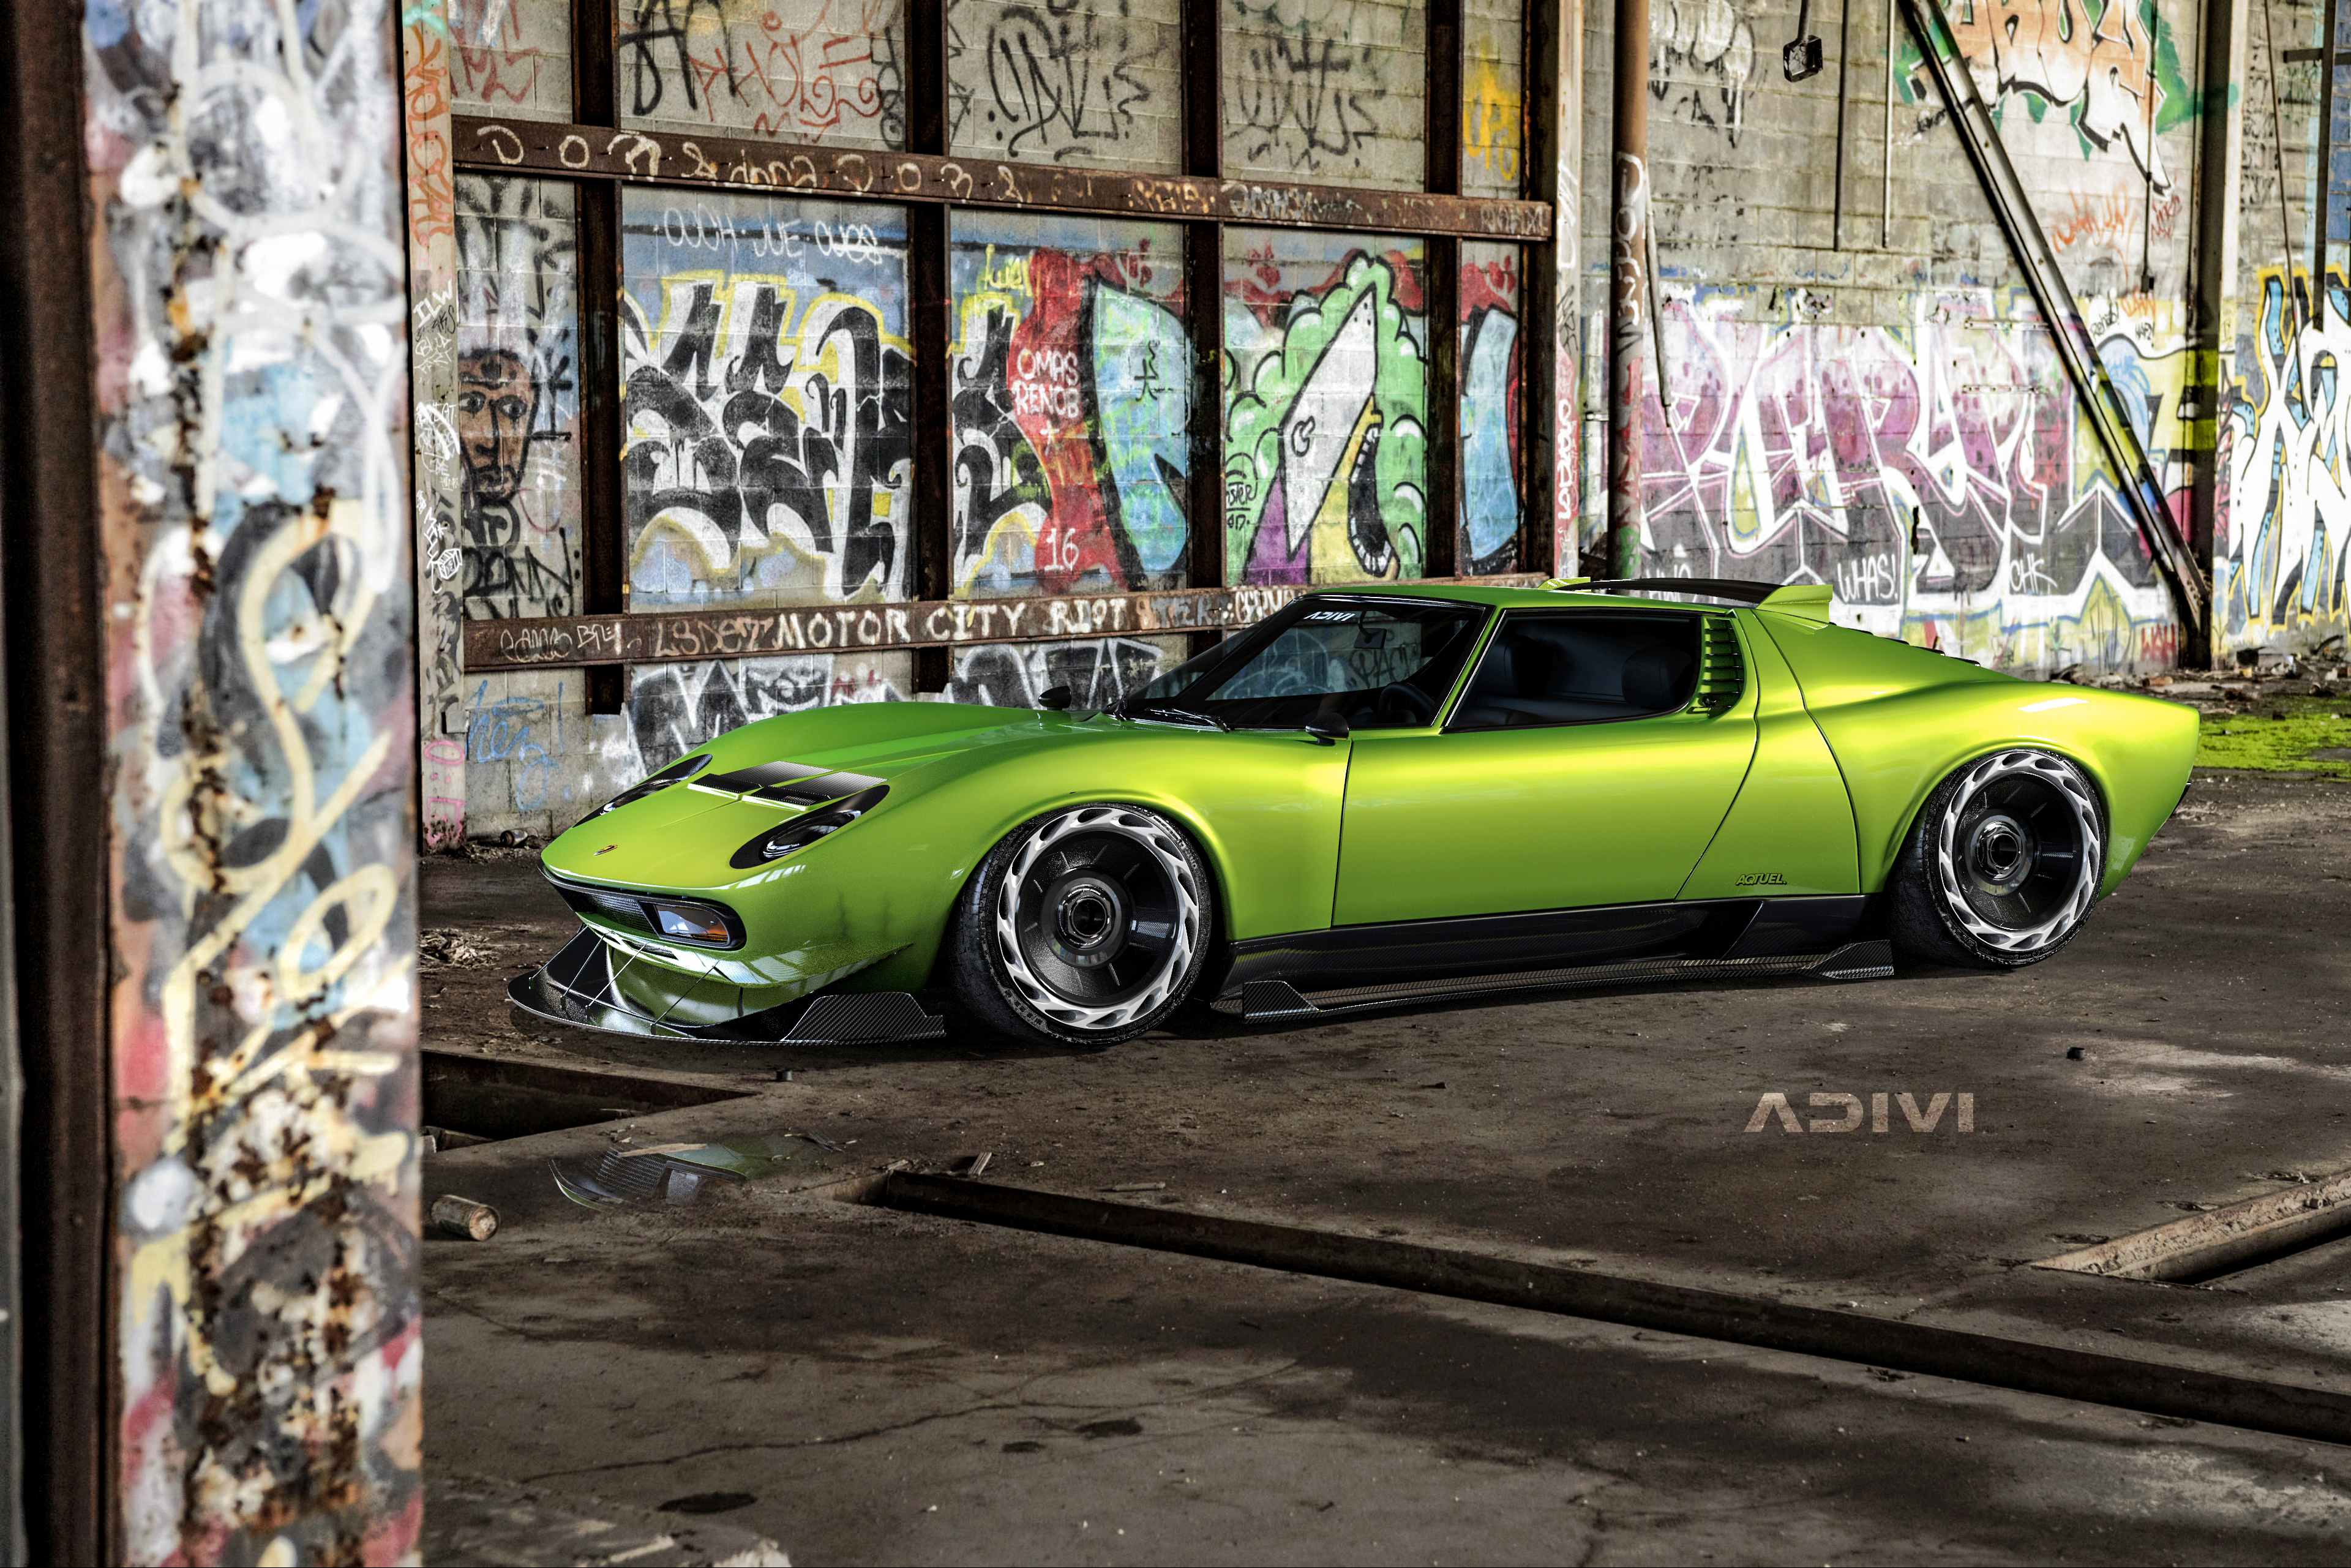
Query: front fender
[{"x": 1262, "y": 806}]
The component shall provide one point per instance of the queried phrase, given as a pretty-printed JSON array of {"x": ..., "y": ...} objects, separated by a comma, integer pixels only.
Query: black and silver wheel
[
  {"x": 2001, "y": 867},
  {"x": 1087, "y": 927}
]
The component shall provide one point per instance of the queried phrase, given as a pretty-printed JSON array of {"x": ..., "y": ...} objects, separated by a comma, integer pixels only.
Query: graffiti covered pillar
[
  {"x": 1628, "y": 260},
  {"x": 1555, "y": 160},
  {"x": 431, "y": 239},
  {"x": 244, "y": 193}
]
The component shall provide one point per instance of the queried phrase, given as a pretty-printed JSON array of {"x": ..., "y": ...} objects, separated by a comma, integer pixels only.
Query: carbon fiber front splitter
[{"x": 579, "y": 988}]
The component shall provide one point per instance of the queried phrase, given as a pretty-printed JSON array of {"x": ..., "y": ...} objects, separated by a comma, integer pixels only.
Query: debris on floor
[
  {"x": 474, "y": 1520},
  {"x": 465, "y": 1218},
  {"x": 449, "y": 946},
  {"x": 623, "y": 1176}
]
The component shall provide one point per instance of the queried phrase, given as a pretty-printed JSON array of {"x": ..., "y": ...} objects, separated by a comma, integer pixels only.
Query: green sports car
[{"x": 1375, "y": 796}]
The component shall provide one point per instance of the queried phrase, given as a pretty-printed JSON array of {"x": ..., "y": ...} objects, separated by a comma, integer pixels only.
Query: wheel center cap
[
  {"x": 2001, "y": 851},
  {"x": 1090, "y": 920}
]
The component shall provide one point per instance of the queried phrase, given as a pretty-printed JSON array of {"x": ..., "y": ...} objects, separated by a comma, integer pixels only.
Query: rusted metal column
[
  {"x": 255, "y": 858},
  {"x": 1628, "y": 285},
  {"x": 2212, "y": 273}
]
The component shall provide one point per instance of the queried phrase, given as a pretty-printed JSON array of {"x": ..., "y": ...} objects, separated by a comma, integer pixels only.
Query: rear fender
[{"x": 1895, "y": 750}]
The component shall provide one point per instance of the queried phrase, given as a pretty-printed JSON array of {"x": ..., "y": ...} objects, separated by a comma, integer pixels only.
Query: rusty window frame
[{"x": 599, "y": 158}]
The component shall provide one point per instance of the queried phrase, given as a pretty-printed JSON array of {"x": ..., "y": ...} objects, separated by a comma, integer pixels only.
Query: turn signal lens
[
  {"x": 694, "y": 923},
  {"x": 801, "y": 831}
]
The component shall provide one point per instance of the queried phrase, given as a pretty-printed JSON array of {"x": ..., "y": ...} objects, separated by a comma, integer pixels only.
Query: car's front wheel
[
  {"x": 2002, "y": 865},
  {"x": 1085, "y": 926}
]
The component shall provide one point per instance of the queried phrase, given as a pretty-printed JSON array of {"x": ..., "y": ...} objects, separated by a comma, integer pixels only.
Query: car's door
[{"x": 1589, "y": 760}]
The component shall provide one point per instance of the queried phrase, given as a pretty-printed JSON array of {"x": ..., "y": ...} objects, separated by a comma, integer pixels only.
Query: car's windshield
[{"x": 1379, "y": 664}]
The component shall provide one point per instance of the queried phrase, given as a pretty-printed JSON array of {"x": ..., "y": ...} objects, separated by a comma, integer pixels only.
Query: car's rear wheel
[
  {"x": 2002, "y": 865},
  {"x": 1086, "y": 926}
]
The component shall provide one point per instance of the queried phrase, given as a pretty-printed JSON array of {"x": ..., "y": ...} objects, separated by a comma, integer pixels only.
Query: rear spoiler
[{"x": 1809, "y": 600}]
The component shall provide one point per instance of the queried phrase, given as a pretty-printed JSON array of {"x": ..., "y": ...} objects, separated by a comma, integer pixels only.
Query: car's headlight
[
  {"x": 677, "y": 772},
  {"x": 801, "y": 831}
]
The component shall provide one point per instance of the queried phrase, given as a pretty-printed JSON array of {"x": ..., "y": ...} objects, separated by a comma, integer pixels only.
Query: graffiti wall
[
  {"x": 1071, "y": 388},
  {"x": 768, "y": 397},
  {"x": 245, "y": 202},
  {"x": 1703, "y": 64},
  {"x": 827, "y": 71},
  {"x": 538, "y": 761},
  {"x": 514, "y": 420},
  {"x": 1492, "y": 422},
  {"x": 2278, "y": 563},
  {"x": 1493, "y": 99},
  {"x": 1073, "y": 81},
  {"x": 511, "y": 58},
  {"x": 2096, "y": 114},
  {"x": 1325, "y": 407},
  {"x": 1098, "y": 671},
  {"x": 1326, "y": 90},
  {"x": 1937, "y": 475}
]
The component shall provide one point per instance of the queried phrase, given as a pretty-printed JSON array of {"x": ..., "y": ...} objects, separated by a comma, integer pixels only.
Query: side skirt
[{"x": 1347, "y": 969}]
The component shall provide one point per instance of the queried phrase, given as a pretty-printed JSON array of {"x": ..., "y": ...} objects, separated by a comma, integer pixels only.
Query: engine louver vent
[{"x": 1722, "y": 669}]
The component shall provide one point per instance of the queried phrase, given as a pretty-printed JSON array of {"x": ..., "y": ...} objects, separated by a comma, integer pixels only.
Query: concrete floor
[{"x": 851, "y": 1369}]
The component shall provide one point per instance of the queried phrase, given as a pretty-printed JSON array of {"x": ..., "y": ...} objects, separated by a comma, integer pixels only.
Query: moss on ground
[{"x": 2282, "y": 735}]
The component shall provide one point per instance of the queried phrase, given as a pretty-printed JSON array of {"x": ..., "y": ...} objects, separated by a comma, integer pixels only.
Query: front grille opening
[
  {"x": 699, "y": 920},
  {"x": 484, "y": 1101}
]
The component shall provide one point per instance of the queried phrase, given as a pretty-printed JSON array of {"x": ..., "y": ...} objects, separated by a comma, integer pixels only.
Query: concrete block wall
[
  {"x": 2285, "y": 530},
  {"x": 1860, "y": 390}
]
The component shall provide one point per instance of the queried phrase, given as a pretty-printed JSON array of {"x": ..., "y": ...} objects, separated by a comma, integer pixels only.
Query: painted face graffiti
[
  {"x": 515, "y": 403},
  {"x": 497, "y": 401}
]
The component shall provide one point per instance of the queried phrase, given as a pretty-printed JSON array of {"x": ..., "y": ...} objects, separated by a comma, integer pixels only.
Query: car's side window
[{"x": 1581, "y": 667}]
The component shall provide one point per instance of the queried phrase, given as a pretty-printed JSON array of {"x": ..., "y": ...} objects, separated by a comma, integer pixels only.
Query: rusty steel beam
[
  {"x": 684, "y": 636},
  {"x": 590, "y": 152},
  {"x": 1628, "y": 285},
  {"x": 57, "y": 801},
  {"x": 2212, "y": 284}
]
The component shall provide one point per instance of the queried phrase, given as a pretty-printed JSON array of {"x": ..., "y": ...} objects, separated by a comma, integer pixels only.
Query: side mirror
[
  {"x": 1327, "y": 729},
  {"x": 1055, "y": 697}
]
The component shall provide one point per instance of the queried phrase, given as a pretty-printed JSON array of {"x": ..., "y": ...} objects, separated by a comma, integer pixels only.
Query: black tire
[
  {"x": 1086, "y": 926},
  {"x": 2002, "y": 865}
]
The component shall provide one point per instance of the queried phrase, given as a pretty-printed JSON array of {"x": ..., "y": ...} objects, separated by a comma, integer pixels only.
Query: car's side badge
[{"x": 608, "y": 849}]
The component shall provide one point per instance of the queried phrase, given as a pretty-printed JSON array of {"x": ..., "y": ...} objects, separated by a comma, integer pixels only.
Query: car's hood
[{"x": 768, "y": 772}]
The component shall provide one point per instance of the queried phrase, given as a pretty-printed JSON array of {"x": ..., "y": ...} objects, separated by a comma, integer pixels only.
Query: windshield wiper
[{"x": 1171, "y": 712}]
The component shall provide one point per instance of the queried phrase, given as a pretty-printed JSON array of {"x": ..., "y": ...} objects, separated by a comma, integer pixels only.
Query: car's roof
[{"x": 1507, "y": 598}]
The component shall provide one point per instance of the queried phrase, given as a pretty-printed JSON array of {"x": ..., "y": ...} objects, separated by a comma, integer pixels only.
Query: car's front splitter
[{"x": 582, "y": 986}]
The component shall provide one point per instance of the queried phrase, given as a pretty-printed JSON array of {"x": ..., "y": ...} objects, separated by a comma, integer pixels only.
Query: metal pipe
[
  {"x": 2147, "y": 193},
  {"x": 1886, "y": 181},
  {"x": 2277, "y": 149},
  {"x": 1628, "y": 285},
  {"x": 1844, "y": 96},
  {"x": 2319, "y": 209}
]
